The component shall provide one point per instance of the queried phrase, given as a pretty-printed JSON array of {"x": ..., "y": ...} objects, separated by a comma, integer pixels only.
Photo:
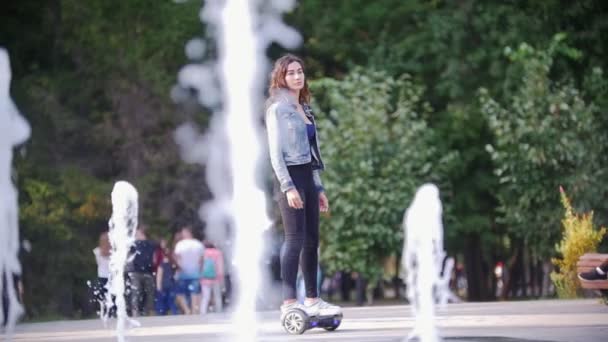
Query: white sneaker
[
  {"x": 290, "y": 306},
  {"x": 322, "y": 308}
]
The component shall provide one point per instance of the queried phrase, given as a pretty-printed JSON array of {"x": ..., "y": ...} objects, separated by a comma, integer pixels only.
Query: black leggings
[{"x": 301, "y": 234}]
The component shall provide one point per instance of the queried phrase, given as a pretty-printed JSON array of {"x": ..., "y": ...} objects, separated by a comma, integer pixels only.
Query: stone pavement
[{"x": 525, "y": 321}]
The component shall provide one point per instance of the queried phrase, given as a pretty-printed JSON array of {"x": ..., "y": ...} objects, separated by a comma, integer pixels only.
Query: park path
[{"x": 525, "y": 321}]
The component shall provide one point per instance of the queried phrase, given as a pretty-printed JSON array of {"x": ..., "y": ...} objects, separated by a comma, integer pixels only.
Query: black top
[
  {"x": 168, "y": 272},
  {"x": 141, "y": 257}
]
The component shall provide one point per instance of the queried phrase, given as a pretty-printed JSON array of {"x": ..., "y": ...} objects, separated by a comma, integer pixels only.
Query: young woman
[
  {"x": 165, "y": 280},
  {"x": 296, "y": 161},
  {"x": 102, "y": 258},
  {"x": 212, "y": 277}
]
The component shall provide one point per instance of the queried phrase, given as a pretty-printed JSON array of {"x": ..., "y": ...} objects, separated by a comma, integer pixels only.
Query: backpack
[{"x": 209, "y": 269}]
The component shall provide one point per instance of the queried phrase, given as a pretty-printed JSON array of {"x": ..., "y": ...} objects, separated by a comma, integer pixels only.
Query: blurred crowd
[
  {"x": 182, "y": 276},
  {"x": 189, "y": 275}
]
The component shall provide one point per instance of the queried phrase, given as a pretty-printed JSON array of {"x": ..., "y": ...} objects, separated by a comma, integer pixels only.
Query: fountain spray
[{"x": 15, "y": 131}]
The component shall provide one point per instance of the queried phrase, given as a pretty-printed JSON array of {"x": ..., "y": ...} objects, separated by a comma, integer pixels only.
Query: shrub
[{"x": 579, "y": 238}]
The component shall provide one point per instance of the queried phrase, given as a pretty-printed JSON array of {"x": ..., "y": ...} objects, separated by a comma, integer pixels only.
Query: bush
[
  {"x": 378, "y": 148},
  {"x": 579, "y": 238}
]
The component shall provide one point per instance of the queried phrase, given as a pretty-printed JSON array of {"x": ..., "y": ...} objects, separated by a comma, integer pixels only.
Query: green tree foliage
[
  {"x": 93, "y": 79},
  {"x": 61, "y": 214},
  {"x": 103, "y": 105},
  {"x": 378, "y": 149},
  {"x": 546, "y": 135},
  {"x": 455, "y": 46}
]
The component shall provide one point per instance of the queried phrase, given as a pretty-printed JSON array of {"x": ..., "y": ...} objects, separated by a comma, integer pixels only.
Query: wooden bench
[{"x": 588, "y": 262}]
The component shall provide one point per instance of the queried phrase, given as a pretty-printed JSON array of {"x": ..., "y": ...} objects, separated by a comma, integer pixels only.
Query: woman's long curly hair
[{"x": 277, "y": 77}]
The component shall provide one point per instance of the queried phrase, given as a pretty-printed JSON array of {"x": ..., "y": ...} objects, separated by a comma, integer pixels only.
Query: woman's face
[{"x": 294, "y": 77}]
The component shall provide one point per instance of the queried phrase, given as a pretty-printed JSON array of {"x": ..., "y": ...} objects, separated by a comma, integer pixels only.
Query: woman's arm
[
  {"x": 323, "y": 201},
  {"x": 274, "y": 145},
  {"x": 159, "y": 279},
  {"x": 220, "y": 266},
  {"x": 316, "y": 176}
]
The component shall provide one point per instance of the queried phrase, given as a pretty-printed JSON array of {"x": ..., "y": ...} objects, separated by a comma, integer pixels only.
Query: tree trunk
[
  {"x": 546, "y": 282},
  {"x": 477, "y": 288},
  {"x": 538, "y": 277},
  {"x": 537, "y": 273},
  {"x": 65, "y": 299},
  {"x": 56, "y": 21},
  {"x": 510, "y": 272},
  {"x": 525, "y": 274},
  {"x": 361, "y": 290},
  {"x": 397, "y": 282},
  {"x": 517, "y": 275}
]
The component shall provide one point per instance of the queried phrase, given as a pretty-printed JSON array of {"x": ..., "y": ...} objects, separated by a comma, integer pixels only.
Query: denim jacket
[{"x": 288, "y": 140}]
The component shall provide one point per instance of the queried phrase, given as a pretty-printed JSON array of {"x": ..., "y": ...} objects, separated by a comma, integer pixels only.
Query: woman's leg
[
  {"x": 100, "y": 293},
  {"x": 217, "y": 297},
  {"x": 160, "y": 303},
  {"x": 195, "y": 299},
  {"x": 293, "y": 222},
  {"x": 137, "y": 292},
  {"x": 310, "y": 256},
  {"x": 181, "y": 298},
  {"x": 172, "y": 304},
  {"x": 149, "y": 294},
  {"x": 206, "y": 296},
  {"x": 310, "y": 259}
]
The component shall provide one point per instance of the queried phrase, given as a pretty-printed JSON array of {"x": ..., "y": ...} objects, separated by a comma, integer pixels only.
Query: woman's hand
[
  {"x": 293, "y": 199},
  {"x": 323, "y": 203}
]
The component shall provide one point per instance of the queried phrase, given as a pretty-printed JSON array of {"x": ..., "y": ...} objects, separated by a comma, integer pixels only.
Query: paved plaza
[{"x": 526, "y": 321}]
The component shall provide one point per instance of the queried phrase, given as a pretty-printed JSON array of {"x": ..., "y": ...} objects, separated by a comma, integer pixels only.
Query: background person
[
  {"x": 140, "y": 269},
  {"x": 598, "y": 273},
  {"x": 189, "y": 258},
  {"x": 102, "y": 259},
  {"x": 165, "y": 282},
  {"x": 212, "y": 277}
]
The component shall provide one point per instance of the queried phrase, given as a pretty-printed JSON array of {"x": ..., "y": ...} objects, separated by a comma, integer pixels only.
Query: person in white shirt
[
  {"x": 102, "y": 258},
  {"x": 189, "y": 258}
]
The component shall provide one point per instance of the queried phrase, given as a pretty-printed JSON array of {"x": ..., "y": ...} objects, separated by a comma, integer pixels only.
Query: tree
[
  {"x": 93, "y": 79},
  {"x": 61, "y": 215},
  {"x": 453, "y": 48},
  {"x": 546, "y": 135},
  {"x": 378, "y": 149}
]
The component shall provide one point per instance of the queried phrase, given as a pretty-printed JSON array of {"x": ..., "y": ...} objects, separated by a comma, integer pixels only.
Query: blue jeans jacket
[{"x": 288, "y": 140}]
